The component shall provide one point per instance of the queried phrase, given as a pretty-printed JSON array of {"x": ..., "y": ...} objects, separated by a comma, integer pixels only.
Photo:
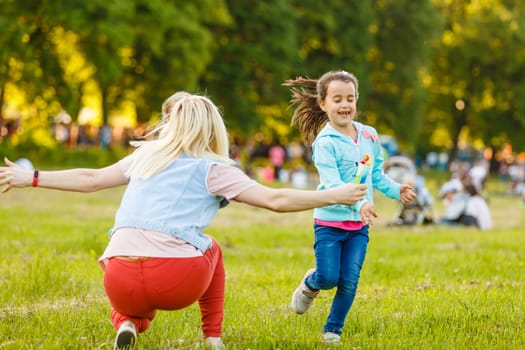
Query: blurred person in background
[{"x": 464, "y": 205}]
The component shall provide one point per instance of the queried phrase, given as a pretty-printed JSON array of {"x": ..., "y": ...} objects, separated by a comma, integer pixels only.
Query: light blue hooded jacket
[{"x": 336, "y": 157}]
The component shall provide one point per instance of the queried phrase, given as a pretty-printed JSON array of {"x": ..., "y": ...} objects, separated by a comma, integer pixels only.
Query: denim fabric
[
  {"x": 339, "y": 256},
  {"x": 174, "y": 201}
]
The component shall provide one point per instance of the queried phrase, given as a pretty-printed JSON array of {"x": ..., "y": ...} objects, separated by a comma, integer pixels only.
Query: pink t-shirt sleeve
[
  {"x": 228, "y": 181},
  {"x": 124, "y": 165}
]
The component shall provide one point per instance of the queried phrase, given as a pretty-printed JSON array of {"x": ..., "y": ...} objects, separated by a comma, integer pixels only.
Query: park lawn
[{"x": 421, "y": 287}]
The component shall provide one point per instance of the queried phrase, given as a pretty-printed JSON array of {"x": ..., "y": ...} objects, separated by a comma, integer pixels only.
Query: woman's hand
[
  {"x": 76, "y": 180},
  {"x": 13, "y": 175},
  {"x": 351, "y": 193}
]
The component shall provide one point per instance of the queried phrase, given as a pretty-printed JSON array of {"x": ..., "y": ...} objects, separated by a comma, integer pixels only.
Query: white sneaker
[
  {"x": 126, "y": 336},
  {"x": 330, "y": 337},
  {"x": 303, "y": 296},
  {"x": 214, "y": 343}
]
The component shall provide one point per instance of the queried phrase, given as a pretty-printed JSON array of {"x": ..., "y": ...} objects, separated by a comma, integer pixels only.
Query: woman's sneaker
[
  {"x": 330, "y": 337},
  {"x": 126, "y": 336},
  {"x": 303, "y": 297},
  {"x": 214, "y": 343}
]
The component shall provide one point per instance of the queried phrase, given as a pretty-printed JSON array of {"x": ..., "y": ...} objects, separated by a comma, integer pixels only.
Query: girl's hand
[
  {"x": 406, "y": 194},
  {"x": 368, "y": 213}
]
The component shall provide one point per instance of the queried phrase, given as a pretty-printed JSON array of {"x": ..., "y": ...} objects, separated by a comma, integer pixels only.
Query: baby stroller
[{"x": 401, "y": 169}]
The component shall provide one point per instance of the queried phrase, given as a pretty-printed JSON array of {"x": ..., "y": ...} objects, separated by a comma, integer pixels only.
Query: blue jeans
[{"x": 339, "y": 256}]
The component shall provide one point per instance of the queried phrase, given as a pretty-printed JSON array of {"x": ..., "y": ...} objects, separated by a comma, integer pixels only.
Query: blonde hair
[
  {"x": 191, "y": 124},
  {"x": 170, "y": 102},
  {"x": 306, "y": 95}
]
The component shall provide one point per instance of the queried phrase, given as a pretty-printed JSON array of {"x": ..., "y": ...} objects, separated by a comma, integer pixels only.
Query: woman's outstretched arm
[
  {"x": 290, "y": 200},
  {"x": 77, "y": 180}
]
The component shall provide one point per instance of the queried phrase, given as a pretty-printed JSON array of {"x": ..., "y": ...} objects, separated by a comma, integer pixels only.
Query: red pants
[{"x": 137, "y": 289}]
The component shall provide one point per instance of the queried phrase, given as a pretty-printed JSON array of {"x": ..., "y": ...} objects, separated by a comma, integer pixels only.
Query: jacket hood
[{"x": 330, "y": 131}]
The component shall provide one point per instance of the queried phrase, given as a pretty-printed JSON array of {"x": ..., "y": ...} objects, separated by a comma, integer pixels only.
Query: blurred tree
[
  {"x": 173, "y": 45},
  {"x": 404, "y": 32},
  {"x": 105, "y": 30},
  {"x": 476, "y": 78},
  {"x": 424, "y": 69},
  {"x": 77, "y": 70},
  {"x": 253, "y": 56},
  {"x": 14, "y": 36},
  {"x": 29, "y": 59},
  {"x": 333, "y": 35}
]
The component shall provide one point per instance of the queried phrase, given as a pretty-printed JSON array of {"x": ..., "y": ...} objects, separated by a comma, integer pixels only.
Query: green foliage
[
  {"x": 28, "y": 57},
  {"x": 334, "y": 35},
  {"x": 414, "y": 60},
  {"x": 253, "y": 56},
  {"x": 175, "y": 55},
  {"x": 488, "y": 84},
  {"x": 404, "y": 35}
]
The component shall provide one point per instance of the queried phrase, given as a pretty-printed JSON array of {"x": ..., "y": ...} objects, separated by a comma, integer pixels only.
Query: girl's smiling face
[{"x": 340, "y": 105}]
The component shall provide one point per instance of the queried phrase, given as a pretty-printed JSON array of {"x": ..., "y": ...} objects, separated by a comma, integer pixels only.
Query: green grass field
[{"x": 421, "y": 287}]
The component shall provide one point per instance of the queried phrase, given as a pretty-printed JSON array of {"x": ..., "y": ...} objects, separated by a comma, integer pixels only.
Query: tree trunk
[
  {"x": 105, "y": 112},
  {"x": 2, "y": 97},
  {"x": 461, "y": 113}
]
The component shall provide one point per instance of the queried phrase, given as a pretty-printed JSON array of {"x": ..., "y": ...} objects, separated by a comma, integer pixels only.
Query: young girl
[
  {"x": 344, "y": 151},
  {"x": 176, "y": 183}
]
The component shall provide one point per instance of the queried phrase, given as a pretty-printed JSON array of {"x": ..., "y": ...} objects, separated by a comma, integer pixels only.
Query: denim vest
[{"x": 174, "y": 201}]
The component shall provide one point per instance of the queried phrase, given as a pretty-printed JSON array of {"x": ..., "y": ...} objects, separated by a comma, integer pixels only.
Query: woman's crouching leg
[{"x": 211, "y": 303}]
